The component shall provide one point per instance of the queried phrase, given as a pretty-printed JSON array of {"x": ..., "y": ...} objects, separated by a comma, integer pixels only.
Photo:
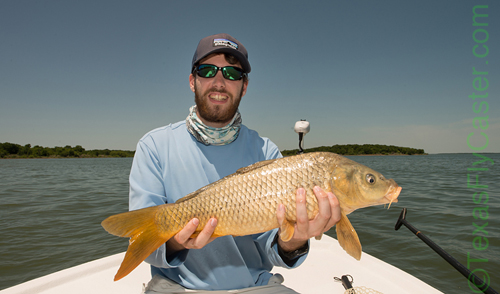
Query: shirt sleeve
[
  {"x": 265, "y": 241},
  {"x": 146, "y": 179},
  {"x": 272, "y": 151},
  {"x": 147, "y": 189}
]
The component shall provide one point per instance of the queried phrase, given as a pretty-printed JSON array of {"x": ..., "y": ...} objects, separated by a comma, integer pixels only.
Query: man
[{"x": 175, "y": 160}]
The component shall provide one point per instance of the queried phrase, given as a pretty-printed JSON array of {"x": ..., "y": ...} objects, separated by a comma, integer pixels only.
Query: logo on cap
[{"x": 225, "y": 42}]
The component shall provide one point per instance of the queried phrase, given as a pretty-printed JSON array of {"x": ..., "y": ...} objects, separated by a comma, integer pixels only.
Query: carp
[{"x": 246, "y": 203}]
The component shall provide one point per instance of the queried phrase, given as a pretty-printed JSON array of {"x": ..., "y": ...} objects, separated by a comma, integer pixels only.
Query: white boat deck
[{"x": 326, "y": 260}]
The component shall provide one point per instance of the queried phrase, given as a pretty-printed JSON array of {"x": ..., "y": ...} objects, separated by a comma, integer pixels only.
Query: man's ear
[
  {"x": 245, "y": 85},
  {"x": 192, "y": 80}
]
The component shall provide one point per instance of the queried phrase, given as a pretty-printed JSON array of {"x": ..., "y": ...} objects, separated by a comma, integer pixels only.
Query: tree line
[
  {"x": 365, "y": 149},
  {"x": 11, "y": 150}
]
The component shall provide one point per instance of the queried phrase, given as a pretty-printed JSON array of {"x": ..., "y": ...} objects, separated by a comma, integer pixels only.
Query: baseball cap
[{"x": 222, "y": 43}]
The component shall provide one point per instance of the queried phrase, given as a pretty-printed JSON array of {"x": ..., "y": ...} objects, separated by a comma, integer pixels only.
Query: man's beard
[{"x": 216, "y": 113}]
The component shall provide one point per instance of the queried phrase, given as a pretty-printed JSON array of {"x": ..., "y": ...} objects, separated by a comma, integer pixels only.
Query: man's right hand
[{"x": 183, "y": 240}]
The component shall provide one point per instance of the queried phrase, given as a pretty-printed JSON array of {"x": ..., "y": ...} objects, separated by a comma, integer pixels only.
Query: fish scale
[
  {"x": 246, "y": 202},
  {"x": 239, "y": 194}
]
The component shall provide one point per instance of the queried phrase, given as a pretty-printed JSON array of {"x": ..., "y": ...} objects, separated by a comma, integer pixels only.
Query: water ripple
[{"x": 52, "y": 208}]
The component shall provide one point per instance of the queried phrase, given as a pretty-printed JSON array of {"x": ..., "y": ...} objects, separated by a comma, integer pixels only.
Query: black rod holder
[
  {"x": 301, "y": 137},
  {"x": 480, "y": 284}
]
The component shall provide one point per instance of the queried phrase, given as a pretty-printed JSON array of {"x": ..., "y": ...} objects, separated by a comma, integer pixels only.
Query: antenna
[{"x": 302, "y": 128}]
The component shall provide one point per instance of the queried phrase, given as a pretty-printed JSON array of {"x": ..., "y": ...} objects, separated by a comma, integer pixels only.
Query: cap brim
[{"x": 238, "y": 55}]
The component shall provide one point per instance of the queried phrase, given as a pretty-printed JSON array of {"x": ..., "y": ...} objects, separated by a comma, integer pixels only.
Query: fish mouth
[{"x": 392, "y": 194}]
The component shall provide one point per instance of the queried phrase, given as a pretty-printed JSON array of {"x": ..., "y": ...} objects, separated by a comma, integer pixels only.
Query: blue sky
[{"x": 103, "y": 73}]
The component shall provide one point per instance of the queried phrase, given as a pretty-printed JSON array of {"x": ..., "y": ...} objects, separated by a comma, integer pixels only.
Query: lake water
[{"x": 51, "y": 209}]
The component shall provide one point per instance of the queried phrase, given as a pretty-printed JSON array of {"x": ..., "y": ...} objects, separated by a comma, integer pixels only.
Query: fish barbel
[{"x": 246, "y": 203}]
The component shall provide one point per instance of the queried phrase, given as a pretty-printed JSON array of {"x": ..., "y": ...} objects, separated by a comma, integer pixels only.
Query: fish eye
[{"x": 370, "y": 179}]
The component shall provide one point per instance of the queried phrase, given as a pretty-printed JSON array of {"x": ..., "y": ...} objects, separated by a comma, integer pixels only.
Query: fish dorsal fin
[
  {"x": 256, "y": 165},
  {"x": 238, "y": 172},
  {"x": 189, "y": 196},
  {"x": 195, "y": 193},
  {"x": 348, "y": 238}
]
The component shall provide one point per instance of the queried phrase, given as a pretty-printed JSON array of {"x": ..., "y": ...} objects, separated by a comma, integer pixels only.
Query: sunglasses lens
[
  {"x": 232, "y": 73},
  {"x": 207, "y": 71},
  {"x": 229, "y": 72}
]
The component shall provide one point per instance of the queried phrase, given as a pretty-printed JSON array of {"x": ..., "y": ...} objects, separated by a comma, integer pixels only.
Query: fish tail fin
[
  {"x": 348, "y": 238},
  {"x": 145, "y": 236}
]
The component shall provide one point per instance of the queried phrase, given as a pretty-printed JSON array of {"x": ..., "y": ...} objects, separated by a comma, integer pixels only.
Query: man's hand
[
  {"x": 328, "y": 216},
  {"x": 183, "y": 240}
]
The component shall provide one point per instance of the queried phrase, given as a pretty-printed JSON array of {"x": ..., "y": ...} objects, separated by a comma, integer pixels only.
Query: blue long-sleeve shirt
[{"x": 170, "y": 163}]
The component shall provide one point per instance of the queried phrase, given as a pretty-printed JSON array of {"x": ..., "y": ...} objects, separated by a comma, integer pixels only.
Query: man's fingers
[
  {"x": 204, "y": 237},
  {"x": 280, "y": 214},
  {"x": 319, "y": 223},
  {"x": 183, "y": 236},
  {"x": 302, "y": 219},
  {"x": 325, "y": 211},
  {"x": 335, "y": 211}
]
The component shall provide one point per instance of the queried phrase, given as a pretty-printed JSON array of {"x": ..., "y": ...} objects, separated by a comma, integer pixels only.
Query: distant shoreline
[
  {"x": 87, "y": 157},
  {"x": 357, "y": 149},
  {"x": 109, "y": 156},
  {"x": 16, "y": 151},
  {"x": 11, "y": 151},
  {"x": 396, "y": 154},
  {"x": 61, "y": 157}
]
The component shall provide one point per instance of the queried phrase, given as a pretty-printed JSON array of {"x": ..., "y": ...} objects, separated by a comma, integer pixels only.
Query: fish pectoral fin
[
  {"x": 255, "y": 166},
  {"x": 286, "y": 230},
  {"x": 348, "y": 238}
]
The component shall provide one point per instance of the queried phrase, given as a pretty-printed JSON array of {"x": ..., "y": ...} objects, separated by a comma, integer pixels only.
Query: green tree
[{"x": 11, "y": 148}]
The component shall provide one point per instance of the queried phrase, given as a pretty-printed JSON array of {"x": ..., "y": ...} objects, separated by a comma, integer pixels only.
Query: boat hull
[{"x": 326, "y": 260}]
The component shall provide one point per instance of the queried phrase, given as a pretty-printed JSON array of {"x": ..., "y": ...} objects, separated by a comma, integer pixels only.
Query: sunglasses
[{"x": 228, "y": 72}]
